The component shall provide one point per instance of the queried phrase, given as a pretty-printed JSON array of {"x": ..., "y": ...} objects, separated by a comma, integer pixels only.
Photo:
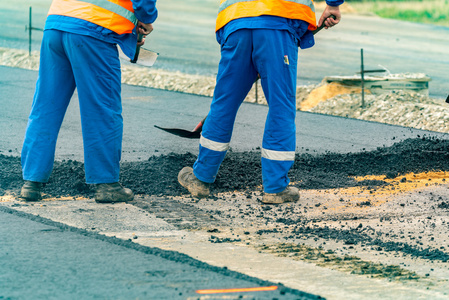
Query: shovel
[
  {"x": 196, "y": 132},
  {"x": 143, "y": 57}
]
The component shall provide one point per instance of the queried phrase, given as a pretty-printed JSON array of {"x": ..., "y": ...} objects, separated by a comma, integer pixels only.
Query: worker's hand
[
  {"x": 144, "y": 30},
  {"x": 325, "y": 17}
]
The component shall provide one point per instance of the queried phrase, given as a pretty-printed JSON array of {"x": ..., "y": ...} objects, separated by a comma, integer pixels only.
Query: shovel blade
[
  {"x": 146, "y": 57},
  {"x": 182, "y": 132}
]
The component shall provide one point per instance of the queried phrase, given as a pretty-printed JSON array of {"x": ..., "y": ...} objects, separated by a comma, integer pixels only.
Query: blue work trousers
[
  {"x": 272, "y": 54},
  {"x": 70, "y": 61}
]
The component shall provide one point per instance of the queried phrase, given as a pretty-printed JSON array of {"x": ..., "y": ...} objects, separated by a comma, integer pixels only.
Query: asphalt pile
[{"x": 241, "y": 171}]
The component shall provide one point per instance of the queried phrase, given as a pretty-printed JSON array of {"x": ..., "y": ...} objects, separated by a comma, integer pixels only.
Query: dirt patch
[
  {"x": 368, "y": 237},
  {"x": 346, "y": 263},
  {"x": 324, "y": 92}
]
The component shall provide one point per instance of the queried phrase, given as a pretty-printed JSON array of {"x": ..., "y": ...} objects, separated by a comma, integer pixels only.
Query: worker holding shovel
[
  {"x": 79, "y": 50},
  {"x": 258, "y": 38}
]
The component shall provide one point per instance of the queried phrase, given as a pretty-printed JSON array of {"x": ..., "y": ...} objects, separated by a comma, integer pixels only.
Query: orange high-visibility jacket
[
  {"x": 291, "y": 9},
  {"x": 115, "y": 15}
]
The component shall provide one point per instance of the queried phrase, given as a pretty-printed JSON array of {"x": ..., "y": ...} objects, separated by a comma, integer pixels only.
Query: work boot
[
  {"x": 195, "y": 186},
  {"x": 290, "y": 194},
  {"x": 31, "y": 191},
  {"x": 112, "y": 193}
]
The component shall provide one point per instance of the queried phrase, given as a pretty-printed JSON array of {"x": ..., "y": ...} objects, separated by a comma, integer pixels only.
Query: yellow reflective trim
[
  {"x": 115, "y": 8},
  {"x": 94, "y": 14},
  {"x": 227, "y": 3},
  {"x": 254, "y": 8}
]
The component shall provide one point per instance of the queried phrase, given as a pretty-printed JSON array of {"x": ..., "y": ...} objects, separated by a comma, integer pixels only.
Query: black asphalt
[
  {"x": 42, "y": 259},
  {"x": 145, "y": 107}
]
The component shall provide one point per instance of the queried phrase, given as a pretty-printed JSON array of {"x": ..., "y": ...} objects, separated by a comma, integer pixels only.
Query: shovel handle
[
  {"x": 136, "y": 56},
  {"x": 322, "y": 25},
  {"x": 199, "y": 127}
]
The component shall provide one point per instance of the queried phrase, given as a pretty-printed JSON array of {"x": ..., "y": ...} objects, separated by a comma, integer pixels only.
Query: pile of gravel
[{"x": 402, "y": 108}]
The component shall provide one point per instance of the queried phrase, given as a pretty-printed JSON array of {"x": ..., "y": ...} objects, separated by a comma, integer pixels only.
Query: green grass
[{"x": 428, "y": 11}]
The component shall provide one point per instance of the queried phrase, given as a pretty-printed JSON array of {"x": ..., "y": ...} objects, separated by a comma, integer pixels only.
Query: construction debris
[
  {"x": 418, "y": 82},
  {"x": 403, "y": 108}
]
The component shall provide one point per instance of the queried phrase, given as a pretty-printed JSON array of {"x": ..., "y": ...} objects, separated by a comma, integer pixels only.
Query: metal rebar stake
[
  {"x": 30, "y": 28},
  {"x": 29, "y": 32},
  {"x": 362, "y": 73},
  {"x": 257, "y": 98}
]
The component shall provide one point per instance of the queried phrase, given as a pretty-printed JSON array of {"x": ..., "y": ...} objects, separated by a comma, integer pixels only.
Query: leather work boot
[
  {"x": 112, "y": 193},
  {"x": 290, "y": 194},
  {"x": 31, "y": 191},
  {"x": 195, "y": 186}
]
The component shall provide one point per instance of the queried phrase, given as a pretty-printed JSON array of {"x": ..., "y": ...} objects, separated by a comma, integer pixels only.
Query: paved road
[
  {"x": 184, "y": 37},
  {"x": 53, "y": 261},
  {"x": 42, "y": 259},
  {"x": 145, "y": 107}
]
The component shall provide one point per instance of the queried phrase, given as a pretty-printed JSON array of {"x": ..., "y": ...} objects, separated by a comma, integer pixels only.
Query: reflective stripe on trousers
[{"x": 273, "y": 55}]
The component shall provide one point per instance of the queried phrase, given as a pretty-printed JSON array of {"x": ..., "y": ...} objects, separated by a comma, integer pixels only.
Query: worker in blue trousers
[
  {"x": 79, "y": 50},
  {"x": 258, "y": 38}
]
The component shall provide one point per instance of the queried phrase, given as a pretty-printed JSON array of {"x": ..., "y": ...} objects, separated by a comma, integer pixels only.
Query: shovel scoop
[{"x": 194, "y": 134}]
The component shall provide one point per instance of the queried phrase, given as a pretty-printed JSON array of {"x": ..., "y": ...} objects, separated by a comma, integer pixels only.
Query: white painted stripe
[
  {"x": 216, "y": 146},
  {"x": 278, "y": 155},
  {"x": 115, "y": 8}
]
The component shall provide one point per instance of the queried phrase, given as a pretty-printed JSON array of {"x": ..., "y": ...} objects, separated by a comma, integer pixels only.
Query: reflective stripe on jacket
[
  {"x": 115, "y": 15},
  {"x": 290, "y": 9}
]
